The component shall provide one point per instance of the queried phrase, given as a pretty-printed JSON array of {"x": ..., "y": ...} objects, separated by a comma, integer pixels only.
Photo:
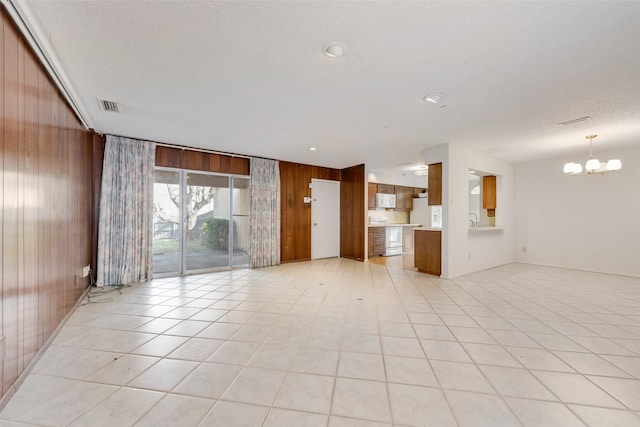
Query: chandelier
[
  {"x": 424, "y": 170},
  {"x": 592, "y": 166}
]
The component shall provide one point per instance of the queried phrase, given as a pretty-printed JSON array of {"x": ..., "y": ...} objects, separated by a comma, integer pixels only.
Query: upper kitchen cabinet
[
  {"x": 418, "y": 191},
  {"x": 386, "y": 189},
  {"x": 372, "y": 189},
  {"x": 434, "y": 197},
  {"x": 489, "y": 192},
  {"x": 404, "y": 198},
  {"x": 482, "y": 199},
  {"x": 404, "y": 195}
]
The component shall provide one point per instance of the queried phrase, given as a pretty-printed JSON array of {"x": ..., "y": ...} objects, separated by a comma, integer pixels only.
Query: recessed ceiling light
[
  {"x": 434, "y": 98},
  {"x": 312, "y": 148},
  {"x": 334, "y": 50}
]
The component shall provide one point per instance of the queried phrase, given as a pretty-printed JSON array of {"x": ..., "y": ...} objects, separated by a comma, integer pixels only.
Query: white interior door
[{"x": 325, "y": 218}]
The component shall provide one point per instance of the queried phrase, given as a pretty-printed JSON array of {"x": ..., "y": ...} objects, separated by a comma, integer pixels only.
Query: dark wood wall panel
[
  {"x": 201, "y": 161},
  {"x": 239, "y": 166},
  {"x": 11, "y": 54},
  {"x": 352, "y": 208},
  {"x": 2, "y": 136},
  {"x": 295, "y": 215},
  {"x": 47, "y": 204},
  {"x": 168, "y": 157},
  {"x": 98, "y": 146}
]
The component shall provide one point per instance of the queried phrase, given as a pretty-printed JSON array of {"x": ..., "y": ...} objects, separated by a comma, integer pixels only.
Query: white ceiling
[{"x": 250, "y": 77}]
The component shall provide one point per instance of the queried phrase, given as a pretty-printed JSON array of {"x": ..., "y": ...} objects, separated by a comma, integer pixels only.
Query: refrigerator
[
  {"x": 421, "y": 212},
  {"x": 427, "y": 216}
]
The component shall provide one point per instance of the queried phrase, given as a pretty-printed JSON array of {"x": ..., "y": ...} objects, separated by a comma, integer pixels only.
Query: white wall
[
  {"x": 470, "y": 250},
  {"x": 410, "y": 179},
  {"x": 582, "y": 222}
]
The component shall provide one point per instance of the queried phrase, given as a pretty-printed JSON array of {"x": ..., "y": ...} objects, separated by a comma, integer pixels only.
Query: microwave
[{"x": 385, "y": 200}]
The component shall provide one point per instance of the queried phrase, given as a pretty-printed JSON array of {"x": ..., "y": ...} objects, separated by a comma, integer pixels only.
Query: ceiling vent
[
  {"x": 575, "y": 121},
  {"x": 111, "y": 106}
]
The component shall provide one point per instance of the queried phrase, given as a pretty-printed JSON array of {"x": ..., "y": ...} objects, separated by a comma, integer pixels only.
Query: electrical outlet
[
  {"x": 469, "y": 255},
  {"x": 85, "y": 270},
  {"x": 3, "y": 346},
  {"x": 524, "y": 249}
]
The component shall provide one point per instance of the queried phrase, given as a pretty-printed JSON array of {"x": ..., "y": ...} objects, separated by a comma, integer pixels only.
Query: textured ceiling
[{"x": 250, "y": 77}]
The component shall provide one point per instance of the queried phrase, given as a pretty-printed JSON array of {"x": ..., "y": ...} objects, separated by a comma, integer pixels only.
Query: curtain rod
[
  {"x": 186, "y": 147},
  {"x": 204, "y": 150}
]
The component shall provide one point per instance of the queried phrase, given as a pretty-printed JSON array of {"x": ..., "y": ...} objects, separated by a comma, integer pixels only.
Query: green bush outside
[{"x": 215, "y": 233}]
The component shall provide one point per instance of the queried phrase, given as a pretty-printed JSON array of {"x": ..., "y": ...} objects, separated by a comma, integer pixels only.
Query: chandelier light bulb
[
  {"x": 422, "y": 170},
  {"x": 568, "y": 168},
  {"x": 593, "y": 166},
  {"x": 614, "y": 165}
]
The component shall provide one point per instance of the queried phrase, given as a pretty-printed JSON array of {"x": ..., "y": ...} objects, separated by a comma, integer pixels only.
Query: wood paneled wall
[
  {"x": 202, "y": 161},
  {"x": 295, "y": 216},
  {"x": 46, "y": 197},
  {"x": 352, "y": 213}
]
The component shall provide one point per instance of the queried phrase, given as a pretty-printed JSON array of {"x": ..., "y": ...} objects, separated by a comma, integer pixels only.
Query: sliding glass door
[
  {"x": 167, "y": 235},
  {"x": 208, "y": 215},
  {"x": 207, "y": 209},
  {"x": 240, "y": 215}
]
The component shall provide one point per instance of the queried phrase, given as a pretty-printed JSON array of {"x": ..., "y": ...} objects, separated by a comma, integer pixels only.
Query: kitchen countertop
[
  {"x": 428, "y": 229},
  {"x": 389, "y": 224}
]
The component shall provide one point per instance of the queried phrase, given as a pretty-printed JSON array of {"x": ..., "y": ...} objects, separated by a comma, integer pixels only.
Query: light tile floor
[{"x": 346, "y": 344}]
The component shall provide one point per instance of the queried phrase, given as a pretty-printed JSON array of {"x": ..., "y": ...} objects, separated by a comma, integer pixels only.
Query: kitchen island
[{"x": 428, "y": 250}]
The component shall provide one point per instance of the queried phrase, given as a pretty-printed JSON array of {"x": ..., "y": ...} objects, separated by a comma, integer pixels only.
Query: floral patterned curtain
[
  {"x": 264, "y": 230},
  {"x": 124, "y": 230}
]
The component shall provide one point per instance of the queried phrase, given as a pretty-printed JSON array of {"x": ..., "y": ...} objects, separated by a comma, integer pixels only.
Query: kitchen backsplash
[{"x": 392, "y": 217}]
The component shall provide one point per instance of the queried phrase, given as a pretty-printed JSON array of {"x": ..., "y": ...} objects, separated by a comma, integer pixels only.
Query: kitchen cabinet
[
  {"x": 427, "y": 250},
  {"x": 404, "y": 198},
  {"x": 404, "y": 195},
  {"x": 417, "y": 191},
  {"x": 489, "y": 192},
  {"x": 372, "y": 189},
  {"x": 386, "y": 189},
  {"x": 435, "y": 184},
  {"x": 376, "y": 241},
  {"x": 407, "y": 239}
]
